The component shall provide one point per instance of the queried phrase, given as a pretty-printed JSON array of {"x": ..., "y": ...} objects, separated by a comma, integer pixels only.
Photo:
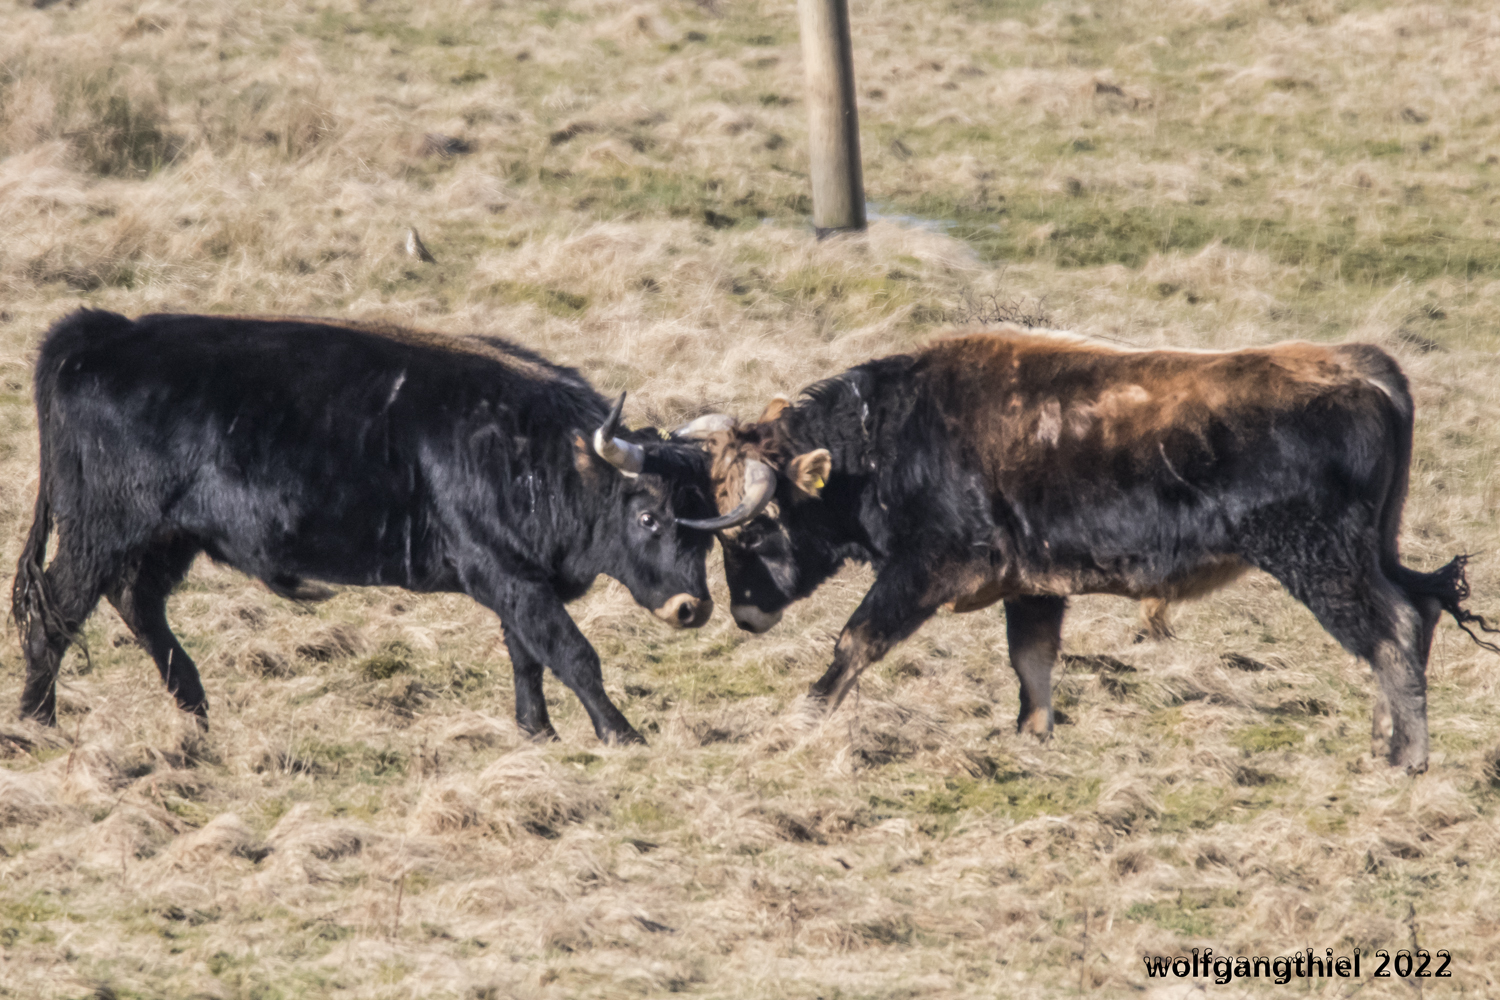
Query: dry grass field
[{"x": 622, "y": 185}]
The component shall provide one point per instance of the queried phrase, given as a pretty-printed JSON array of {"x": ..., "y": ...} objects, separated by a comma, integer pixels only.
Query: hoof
[
  {"x": 42, "y": 718},
  {"x": 1412, "y": 760},
  {"x": 1038, "y": 723},
  {"x": 1382, "y": 728}
]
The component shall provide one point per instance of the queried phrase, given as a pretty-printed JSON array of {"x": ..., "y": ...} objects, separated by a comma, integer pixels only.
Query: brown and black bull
[
  {"x": 1025, "y": 468},
  {"x": 297, "y": 449}
]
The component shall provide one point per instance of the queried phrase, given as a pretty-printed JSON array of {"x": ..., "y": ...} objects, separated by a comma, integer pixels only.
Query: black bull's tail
[
  {"x": 1450, "y": 587},
  {"x": 30, "y": 600}
]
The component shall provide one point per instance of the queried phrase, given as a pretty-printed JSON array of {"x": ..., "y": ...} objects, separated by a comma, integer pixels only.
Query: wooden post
[{"x": 838, "y": 183}]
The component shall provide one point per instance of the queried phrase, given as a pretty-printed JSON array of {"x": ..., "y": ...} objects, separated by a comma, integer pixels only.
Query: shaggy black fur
[{"x": 300, "y": 450}]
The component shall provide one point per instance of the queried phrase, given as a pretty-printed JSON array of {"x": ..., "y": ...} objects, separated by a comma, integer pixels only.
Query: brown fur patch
[
  {"x": 1026, "y": 394},
  {"x": 589, "y": 465},
  {"x": 1206, "y": 579},
  {"x": 985, "y": 595},
  {"x": 728, "y": 473}
]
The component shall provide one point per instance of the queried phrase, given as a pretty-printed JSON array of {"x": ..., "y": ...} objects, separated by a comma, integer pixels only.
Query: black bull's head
[{"x": 661, "y": 564}]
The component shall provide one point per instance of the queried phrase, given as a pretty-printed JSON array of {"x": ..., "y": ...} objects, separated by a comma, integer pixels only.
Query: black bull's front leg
[{"x": 538, "y": 628}]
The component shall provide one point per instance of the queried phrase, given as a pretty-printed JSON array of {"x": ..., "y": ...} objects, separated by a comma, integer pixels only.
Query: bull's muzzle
[
  {"x": 753, "y": 619},
  {"x": 685, "y": 611}
]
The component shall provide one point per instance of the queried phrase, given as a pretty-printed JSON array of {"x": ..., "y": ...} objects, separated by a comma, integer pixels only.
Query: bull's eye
[{"x": 649, "y": 522}]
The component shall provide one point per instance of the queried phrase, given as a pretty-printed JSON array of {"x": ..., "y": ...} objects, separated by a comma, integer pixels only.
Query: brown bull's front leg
[{"x": 902, "y": 598}]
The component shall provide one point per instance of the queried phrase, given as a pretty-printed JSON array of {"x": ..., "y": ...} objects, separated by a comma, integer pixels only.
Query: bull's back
[
  {"x": 1023, "y": 402},
  {"x": 1106, "y": 465},
  {"x": 305, "y": 446},
  {"x": 286, "y": 387}
]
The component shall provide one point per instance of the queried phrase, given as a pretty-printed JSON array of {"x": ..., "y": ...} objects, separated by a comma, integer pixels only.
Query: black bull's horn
[{"x": 629, "y": 458}]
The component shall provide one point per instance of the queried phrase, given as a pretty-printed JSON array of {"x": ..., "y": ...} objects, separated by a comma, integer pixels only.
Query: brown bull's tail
[{"x": 1450, "y": 587}]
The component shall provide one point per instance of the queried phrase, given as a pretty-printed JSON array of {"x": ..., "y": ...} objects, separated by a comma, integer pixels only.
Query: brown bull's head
[{"x": 773, "y": 553}]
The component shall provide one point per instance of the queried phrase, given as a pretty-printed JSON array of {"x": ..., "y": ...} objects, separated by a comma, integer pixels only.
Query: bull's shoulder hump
[{"x": 83, "y": 328}]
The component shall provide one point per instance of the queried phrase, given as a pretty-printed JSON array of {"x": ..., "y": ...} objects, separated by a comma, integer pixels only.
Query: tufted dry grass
[{"x": 622, "y": 186}]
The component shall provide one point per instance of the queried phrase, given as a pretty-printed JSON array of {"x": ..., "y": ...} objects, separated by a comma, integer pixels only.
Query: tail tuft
[
  {"x": 1450, "y": 587},
  {"x": 30, "y": 600}
]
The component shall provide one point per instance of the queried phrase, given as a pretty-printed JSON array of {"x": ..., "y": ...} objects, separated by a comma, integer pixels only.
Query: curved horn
[
  {"x": 629, "y": 458},
  {"x": 760, "y": 487},
  {"x": 702, "y": 427}
]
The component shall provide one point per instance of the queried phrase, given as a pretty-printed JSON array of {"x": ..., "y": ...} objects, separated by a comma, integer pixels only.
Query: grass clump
[
  {"x": 393, "y": 658},
  {"x": 1185, "y": 917},
  {"x": 1267, "y": 737}
]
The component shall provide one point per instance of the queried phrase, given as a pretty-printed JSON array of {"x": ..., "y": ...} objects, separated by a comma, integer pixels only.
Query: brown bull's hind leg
[
  {"x": 1033, "y": 629},
  {"x": 1155, "y": 622},
  {"x": 1381, "y": 727},
  {"x": 1377, "y": 621},
  {"x": 899, "y": 602}
]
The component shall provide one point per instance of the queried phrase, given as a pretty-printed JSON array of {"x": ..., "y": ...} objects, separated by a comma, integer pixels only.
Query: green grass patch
[
  {"x": 557, "y": 301},
  {"x": 23, "y": 920},
  {"x": 1014, "y": 794},
  {"x": 1202, "y": 807},
  {"x": 644, "y": 813},
  {"x": 1186, "y": 919},
  {"x": 1266, "y": 737},
  {"x": 724, "y": 679},
  {"x": 359, "y": 761},
  {"x": 392, "y": 659}
]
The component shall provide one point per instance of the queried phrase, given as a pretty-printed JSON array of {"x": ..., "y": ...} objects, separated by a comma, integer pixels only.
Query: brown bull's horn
[
  {"x": 702, "y": 427},
  {"x": 760, "y": 487},
  {"x": 629, "y": 458}
]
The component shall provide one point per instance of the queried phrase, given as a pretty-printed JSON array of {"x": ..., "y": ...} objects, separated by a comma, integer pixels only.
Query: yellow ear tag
[
  {"x": 665, "y": 434},
  {"x": 818, "y": 483}
]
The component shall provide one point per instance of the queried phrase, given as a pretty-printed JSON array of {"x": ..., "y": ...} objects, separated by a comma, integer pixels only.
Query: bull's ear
[
  {"x": 773, "y": 409},
  {"x": 809, "y": 471},
  {"x": 589, "y": 465}
]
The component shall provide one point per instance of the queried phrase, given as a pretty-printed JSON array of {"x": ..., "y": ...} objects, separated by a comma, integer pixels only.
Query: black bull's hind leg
[
  {"x": 71, "y": 587},
  {"x": 140, "y": 596},
  {"x": 531, "y": 704},
  {"x": 1033, "y": 630}
]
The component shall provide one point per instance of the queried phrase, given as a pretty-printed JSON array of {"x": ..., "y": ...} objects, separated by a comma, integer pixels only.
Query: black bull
[
  {"x": 297, "y": 449},
  {"x": 1023, "y": 469}
]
